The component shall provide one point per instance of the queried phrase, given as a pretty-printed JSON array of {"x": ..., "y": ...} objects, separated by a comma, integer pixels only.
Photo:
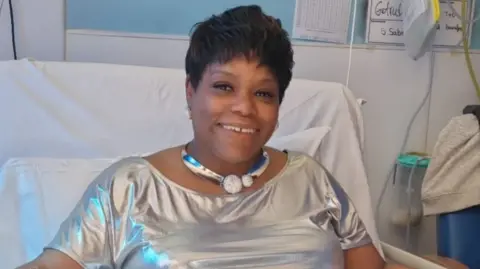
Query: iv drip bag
[{"x": 419, "y": 25}]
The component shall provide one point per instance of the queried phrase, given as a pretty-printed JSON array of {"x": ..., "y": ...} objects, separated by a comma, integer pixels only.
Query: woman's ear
[{"x": 189, "y": 91}]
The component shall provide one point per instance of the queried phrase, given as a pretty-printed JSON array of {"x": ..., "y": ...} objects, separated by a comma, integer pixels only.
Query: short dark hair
[{"x": 241, "y": 31}]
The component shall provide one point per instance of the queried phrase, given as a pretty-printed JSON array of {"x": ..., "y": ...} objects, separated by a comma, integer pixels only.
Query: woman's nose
[{"x": 244, "y": 105}]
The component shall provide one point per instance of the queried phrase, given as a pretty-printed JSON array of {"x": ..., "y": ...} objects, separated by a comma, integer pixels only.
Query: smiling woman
[
  {"x": 223, "y": 199},
  {"x": 235, "y": 111}
]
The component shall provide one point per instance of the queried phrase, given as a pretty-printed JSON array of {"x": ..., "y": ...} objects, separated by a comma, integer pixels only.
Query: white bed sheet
[{"x": 85, "y": 110}]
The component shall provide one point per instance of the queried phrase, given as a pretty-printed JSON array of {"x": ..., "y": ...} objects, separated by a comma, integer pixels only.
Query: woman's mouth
[{"x": 239, "y": 129}]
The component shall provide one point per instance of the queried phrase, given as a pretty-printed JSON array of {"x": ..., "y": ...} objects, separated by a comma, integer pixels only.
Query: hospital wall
[
  {"x": 392, "y": 83},
  {"x": 39, "y": 29}
]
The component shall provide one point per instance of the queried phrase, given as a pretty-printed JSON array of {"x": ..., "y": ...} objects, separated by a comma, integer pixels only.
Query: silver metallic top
[{"x": 133, "y": 217}]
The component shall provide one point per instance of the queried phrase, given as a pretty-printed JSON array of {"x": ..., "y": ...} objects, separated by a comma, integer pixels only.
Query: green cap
[{"x": 411, "y": 160}]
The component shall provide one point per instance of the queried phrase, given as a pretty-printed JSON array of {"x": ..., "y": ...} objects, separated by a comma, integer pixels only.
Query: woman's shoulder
[
  {"x": 135, "y": 165},
  {"x": 120, "y": 175},
  {"x": 134, "y": 169},
  {"x": 307, "y": 169},
  {"x": 125, "y": 167},
  {"x": 132, "y": 175},
  {"x": 301, "y": 161}
]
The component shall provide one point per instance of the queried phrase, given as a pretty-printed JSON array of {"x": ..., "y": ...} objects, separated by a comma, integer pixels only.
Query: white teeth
[{"x": 238, "y": 129}]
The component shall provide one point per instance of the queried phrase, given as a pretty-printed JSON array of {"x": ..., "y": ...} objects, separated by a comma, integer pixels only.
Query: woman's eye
[
  {"x": 264, "y": 94},
  {"x": 223, "y": 87}
]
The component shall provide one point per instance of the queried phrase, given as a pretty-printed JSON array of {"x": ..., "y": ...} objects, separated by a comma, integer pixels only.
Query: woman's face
[{"x": 234, "y": 109}]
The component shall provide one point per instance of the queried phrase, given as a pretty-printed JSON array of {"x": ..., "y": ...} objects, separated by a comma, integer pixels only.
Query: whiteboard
[
  {"x": 386, "y": 10},
  {"x": 322, "y": 20},
  {"x": 386, "y": 32},
  {"x": 385, "y": 23},
  {"x": 449, "y": 28}
]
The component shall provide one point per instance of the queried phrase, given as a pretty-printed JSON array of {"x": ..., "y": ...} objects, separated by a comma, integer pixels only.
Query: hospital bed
[{"x": 62, "y": 123}]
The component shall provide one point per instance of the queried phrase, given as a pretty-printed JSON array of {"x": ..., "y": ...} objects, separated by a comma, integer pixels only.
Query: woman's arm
[
  {"x": 51, "y": 259},
  {"x": 367, "y": 257},
  {"x": 363, "y": 257},
  {"x": 359, "y": 250}
]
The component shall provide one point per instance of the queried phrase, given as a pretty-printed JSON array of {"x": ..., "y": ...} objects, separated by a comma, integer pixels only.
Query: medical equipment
[
  {"x": 12, "y": 25},
  {"x": 393, "y": 167},
  {"x": 352, "y": 37},
  {"x": 419, "y": 26},
  {"x": 407, "y": 183},
  {"x": 464, "y": 14},
  {"x": 466, "y": 48},
  {"x": 473, "y": 109},
  {"x": 419, "y": 20}
]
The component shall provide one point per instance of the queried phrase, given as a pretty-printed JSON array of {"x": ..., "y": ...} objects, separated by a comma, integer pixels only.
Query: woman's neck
[{"x": 209, "y": 160}]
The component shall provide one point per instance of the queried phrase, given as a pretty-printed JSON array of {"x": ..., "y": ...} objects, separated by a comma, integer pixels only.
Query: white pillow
[
  {"x": 307, "y": 141},
  {"x": 42, "y": 192}
]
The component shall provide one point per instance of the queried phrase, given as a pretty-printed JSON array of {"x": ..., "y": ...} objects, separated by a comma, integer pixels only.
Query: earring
[
  {"x": 188, "y": 112},
  {"x": 276, "y": 126}
]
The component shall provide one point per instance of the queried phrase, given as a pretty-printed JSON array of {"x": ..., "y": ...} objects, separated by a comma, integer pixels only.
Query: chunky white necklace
[{"x": 231, "y": 183}]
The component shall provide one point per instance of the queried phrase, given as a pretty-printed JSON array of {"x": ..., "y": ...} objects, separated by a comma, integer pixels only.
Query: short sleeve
[
  {"x": 86, "y": 234},
  {"x": 344, "y": 217}
]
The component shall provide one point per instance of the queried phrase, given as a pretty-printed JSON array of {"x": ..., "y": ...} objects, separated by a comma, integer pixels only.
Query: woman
[{"x": 223, "y": 200}]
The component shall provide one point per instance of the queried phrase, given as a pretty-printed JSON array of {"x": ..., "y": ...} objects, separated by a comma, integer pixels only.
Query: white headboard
[{"x": 75, "y": 110}]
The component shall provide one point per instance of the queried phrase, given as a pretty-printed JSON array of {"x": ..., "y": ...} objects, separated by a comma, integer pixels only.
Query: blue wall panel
[{"x": 178, "y": 16}]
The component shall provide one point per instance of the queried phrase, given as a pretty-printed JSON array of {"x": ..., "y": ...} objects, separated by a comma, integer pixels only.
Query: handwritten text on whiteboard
[{"x": 385, "y": 23}]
